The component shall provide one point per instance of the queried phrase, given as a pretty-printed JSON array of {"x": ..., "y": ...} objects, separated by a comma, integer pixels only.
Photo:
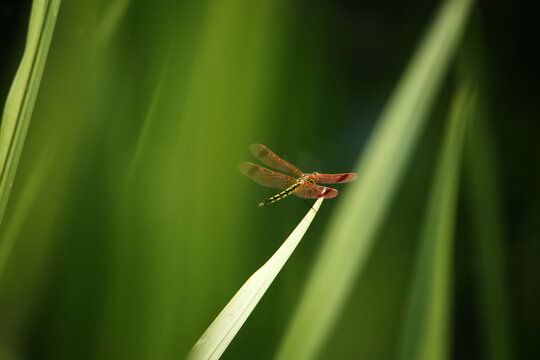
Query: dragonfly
[{"x": 301, "y": 184}]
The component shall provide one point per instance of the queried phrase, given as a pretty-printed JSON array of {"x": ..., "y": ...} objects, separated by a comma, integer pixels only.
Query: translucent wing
[
  {"x": 335, "y": 178},
  {"x": 268, "y": 158},
  {"x": 266, "y": 177},
  {"x": 312, "y": 191}
]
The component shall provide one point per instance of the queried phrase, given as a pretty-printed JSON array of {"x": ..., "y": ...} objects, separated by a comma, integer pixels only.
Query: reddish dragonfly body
[{"x": 302, "y": 185}]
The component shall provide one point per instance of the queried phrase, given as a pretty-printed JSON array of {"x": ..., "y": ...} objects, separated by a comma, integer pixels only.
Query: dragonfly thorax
[{"x": 312, "y": 178}]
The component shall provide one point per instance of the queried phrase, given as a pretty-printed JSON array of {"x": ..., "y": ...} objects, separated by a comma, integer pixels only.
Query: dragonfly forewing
[
  {"x": 268, "y": 158},
  {"x": 266, "y": 177}
]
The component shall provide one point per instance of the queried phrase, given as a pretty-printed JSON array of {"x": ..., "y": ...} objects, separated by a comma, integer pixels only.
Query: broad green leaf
[
  {"x": 220, "y": 333},
  {"x": 426, "y": 330},
  {"x": 22, "y": 95},
  {"x": 352, "y": 233},
  {"x": 32, "y": 187}
]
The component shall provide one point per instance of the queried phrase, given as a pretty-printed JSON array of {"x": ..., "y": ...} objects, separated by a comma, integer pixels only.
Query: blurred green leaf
[
  {"x": 207, "y": 94},
  {"x": 220, "y": 333},
  {"x": 111, "y": 19},
  {"x": 426, "y": 331},
  {"x": 21, "y": 99},
  {"x": 32, "y": 186},
  {"x": 353, "y": 230},
  {"x": 488, "y": 246},
  {"x": 22, "y": 95},
  {"x": 482, "y": 190}
]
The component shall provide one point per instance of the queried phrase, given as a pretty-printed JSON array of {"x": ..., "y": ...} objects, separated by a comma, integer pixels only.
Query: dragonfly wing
[
  {"x": 312, "y": 191},
  {"x": 266, "y": 177},
  {"x": 335, "y": 178},
  {"x": 268, "y": 158}
]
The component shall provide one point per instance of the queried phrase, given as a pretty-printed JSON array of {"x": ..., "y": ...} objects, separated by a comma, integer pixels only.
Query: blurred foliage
[
  {"x": 353, "y": 232},
  {"x": 132, "y": 228}
]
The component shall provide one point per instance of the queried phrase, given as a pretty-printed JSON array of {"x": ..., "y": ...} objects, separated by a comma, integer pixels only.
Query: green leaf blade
[
  {"x": 220, "y": 333},
  {"x": 22, "y": 94},
  {"x": 426, "y": 330}
]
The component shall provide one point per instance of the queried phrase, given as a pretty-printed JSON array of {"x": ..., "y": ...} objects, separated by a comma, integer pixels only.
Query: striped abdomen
[{"x": 288, "y": 191}]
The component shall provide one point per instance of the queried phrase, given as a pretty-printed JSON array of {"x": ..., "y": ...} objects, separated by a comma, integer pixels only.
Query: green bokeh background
[{"x": 133, "y": 227}]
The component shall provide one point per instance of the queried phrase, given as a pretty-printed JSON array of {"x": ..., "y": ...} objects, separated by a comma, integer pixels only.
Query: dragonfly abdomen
[{"x": 288, "y": 191}]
